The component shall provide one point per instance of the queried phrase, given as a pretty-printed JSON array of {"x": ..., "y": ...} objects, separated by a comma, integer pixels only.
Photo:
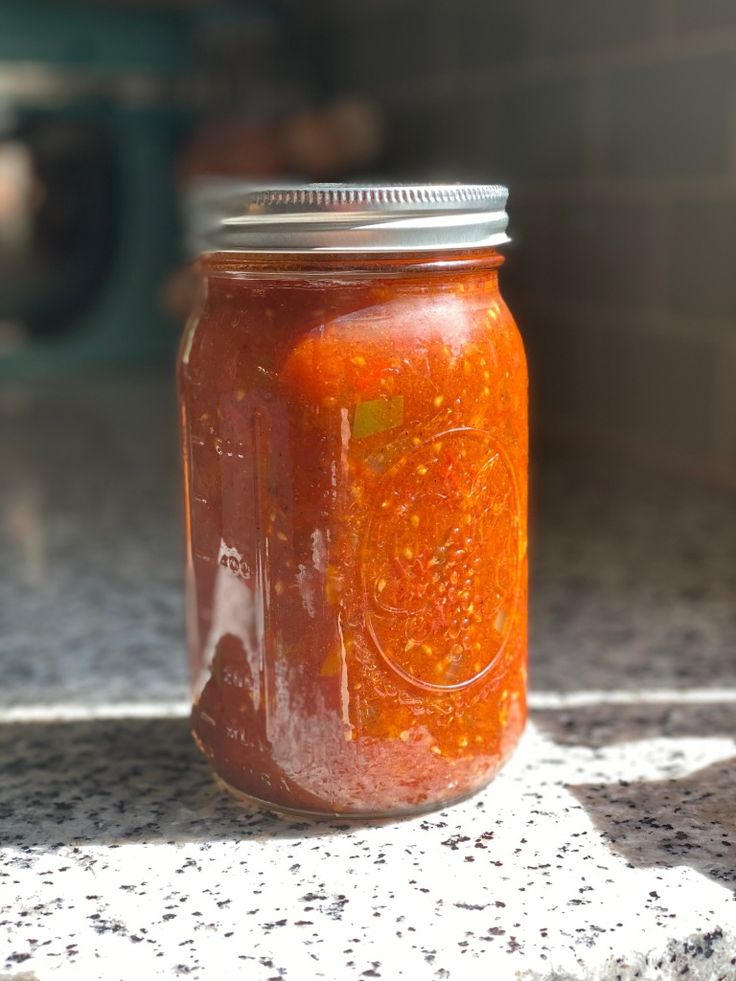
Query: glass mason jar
[{"x": 353, "y": 397}]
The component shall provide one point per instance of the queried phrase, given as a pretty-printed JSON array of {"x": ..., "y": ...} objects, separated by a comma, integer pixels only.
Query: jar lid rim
[{"x": 362, "y": 217}]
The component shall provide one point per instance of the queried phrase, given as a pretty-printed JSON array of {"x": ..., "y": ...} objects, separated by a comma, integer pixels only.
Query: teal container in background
[{"x": 91, "y": 116}]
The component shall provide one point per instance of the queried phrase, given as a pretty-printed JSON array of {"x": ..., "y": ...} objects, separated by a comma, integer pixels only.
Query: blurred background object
[
  {"x": 613, "y": 124},
  {"x": 108, "y": 111},
  {"x": 88, "y": 128}
]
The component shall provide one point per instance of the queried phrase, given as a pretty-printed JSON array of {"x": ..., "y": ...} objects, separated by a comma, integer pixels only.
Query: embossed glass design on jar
[{"x": 353, "y": 396}]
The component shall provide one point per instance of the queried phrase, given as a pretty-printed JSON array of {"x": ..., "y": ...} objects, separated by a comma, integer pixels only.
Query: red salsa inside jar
[{"x": 355, "y": 440}]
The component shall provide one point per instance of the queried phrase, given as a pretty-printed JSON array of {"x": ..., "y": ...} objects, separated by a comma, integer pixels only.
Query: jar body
[{"x": 355, "y": 452}]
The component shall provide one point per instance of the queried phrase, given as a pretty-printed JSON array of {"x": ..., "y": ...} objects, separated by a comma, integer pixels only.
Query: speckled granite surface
[{"x": 606, "y": 849}]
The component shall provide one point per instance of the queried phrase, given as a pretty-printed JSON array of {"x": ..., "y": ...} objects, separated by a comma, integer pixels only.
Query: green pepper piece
[{"x": 378, "y": 415}]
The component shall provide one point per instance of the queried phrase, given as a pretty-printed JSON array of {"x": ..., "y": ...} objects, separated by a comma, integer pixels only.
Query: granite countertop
[{"x": 606, "y": 848}]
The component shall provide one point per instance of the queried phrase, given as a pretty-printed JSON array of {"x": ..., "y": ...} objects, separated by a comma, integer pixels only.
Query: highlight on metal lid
[{"x": 364, "y": 218}]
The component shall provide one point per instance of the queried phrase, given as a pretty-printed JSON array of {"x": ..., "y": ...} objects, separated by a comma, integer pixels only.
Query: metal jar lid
[
  {"x": 207, "y": 200},
  {"x": 365, "y": 218}
]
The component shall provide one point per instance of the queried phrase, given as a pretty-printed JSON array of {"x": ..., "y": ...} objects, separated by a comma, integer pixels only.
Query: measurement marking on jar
[
  {"x": 236, "y": 564},
  {"x": 198, "y": 441},
  {"x": 203, "y": 557},
  {"x": 262, "y": 565},
  {"x": 200, "y": 500}
]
